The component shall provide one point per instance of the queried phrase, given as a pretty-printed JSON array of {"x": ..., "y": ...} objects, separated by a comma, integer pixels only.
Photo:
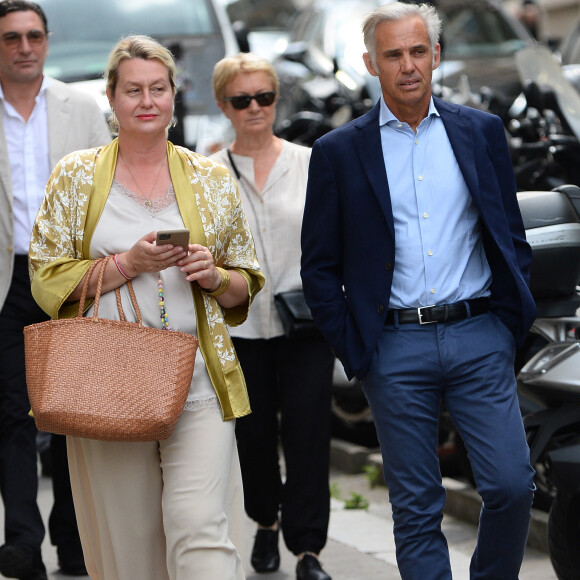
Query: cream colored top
[
  {"x": 124, "y": 220},
  {"x": 275, "y": 218}
]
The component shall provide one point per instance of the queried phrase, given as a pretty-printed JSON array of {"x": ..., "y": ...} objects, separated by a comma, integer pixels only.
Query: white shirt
[
  {"x": 28, "y": 153},
  {"x": 275, "y": 218}
]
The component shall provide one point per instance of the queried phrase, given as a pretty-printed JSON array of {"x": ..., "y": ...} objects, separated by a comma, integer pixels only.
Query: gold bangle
[{"x": 224, "y": 284}]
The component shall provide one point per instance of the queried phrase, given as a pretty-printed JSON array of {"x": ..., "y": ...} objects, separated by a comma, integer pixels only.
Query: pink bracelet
[{"x": 121, "y": 269}]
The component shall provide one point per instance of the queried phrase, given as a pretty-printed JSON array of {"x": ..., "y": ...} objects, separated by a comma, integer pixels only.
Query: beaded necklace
[{"x": 164, "y": 319}]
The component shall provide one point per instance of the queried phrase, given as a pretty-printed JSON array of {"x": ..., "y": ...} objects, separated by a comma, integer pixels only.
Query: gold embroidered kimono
[{"x": 211, "y": 209}]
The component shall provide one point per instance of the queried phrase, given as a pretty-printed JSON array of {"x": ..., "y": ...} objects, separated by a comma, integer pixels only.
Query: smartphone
[{"x": 174, "y": 237}]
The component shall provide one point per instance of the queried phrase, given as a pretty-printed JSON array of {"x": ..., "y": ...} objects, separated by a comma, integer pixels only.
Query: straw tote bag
[{"x": 112, "y": 380}]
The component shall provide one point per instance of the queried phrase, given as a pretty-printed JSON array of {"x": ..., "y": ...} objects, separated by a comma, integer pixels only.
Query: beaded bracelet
[
  {"x": 121, "y": 269},
  {"x": 224, "y": 284}
]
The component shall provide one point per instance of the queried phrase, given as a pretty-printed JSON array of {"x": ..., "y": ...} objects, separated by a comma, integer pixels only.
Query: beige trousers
[{"x": 167, "y": 510}]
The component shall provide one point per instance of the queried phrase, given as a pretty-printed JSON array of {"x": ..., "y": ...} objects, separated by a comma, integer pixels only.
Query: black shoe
[
  {"x": 265, "y": 554},
  {"x": 22, "y": 562},
  {"x": 72, "y": 569},
  {"x": 36, "y": 574},
  {"x": 309, "y": 568},
  {"x": 71, "y": 561}
]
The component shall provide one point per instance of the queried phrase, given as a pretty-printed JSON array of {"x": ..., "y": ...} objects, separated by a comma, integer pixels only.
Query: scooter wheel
[{"x": 564, "y": 536}]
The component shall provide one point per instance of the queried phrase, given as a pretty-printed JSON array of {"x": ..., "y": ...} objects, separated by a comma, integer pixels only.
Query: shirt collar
[{"x": 386, "y": 116}]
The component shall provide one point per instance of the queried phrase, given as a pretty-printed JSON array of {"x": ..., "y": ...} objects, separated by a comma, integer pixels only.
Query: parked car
[
  {"x": 198, "y": 32},
  {"x": 479, "y": 41}
]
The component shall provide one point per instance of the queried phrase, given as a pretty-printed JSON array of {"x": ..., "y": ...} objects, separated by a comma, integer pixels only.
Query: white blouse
[
  {"x": 125, "y": 219},
  {"x": 275, "y": 218}
]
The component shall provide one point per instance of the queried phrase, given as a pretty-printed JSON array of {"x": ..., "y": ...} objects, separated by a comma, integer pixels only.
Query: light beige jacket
[
  {"x": 75, "y": 121},
  {"x": 211, "y": 209}
]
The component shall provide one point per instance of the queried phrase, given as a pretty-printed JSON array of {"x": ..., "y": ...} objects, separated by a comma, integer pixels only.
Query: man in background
[{"x": 41, "y": 120}]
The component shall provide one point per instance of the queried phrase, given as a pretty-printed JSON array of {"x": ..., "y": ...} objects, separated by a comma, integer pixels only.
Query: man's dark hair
[{"x": 8, "y": 6}]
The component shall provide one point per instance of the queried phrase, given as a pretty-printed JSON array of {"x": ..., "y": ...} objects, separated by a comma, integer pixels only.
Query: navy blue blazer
[{"x": 348, "y": 240}]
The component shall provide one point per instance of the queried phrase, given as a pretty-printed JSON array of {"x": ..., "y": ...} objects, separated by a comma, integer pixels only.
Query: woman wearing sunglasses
[{"x": 288, "y": 379}]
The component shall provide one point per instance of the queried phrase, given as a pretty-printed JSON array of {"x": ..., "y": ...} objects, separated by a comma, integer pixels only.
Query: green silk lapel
[
  {"x": 185, "y": 192},
  {"x": 105, "y": 164}
]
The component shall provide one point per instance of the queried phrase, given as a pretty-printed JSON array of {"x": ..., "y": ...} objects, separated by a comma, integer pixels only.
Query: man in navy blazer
[{"x": 416, "y": 268}]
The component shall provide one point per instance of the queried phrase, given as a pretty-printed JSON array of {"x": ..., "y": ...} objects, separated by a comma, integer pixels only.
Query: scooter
[{"x": 549, "y": 382}]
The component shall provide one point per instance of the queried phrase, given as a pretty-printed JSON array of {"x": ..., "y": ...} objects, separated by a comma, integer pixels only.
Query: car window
[
  {"x": 470, "y": 31},
  {"x": 82, "y": 38}
]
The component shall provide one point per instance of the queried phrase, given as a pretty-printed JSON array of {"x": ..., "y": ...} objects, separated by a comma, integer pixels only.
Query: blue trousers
[{"x": 469, "y": 365}]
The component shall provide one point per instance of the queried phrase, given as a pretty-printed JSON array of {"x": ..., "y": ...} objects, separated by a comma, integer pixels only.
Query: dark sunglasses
[
  {"x": 14, "y": 39},
  {"x": 243, "y": 101}
]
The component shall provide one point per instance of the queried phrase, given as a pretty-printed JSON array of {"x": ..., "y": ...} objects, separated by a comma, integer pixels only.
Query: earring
[{"x": 113, "y": 122}]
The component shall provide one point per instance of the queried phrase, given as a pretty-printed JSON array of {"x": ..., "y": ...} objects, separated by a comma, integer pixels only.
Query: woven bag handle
[
  {"x": 103, "y": 264},
  {"x": 86, "y": 287},
  {"x": 133, "y": 301}
]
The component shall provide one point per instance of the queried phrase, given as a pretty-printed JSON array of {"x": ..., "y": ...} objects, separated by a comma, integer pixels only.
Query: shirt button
[
  {"x": 380, "y": 309},
  {"x": 388, "y": 266},
  {"x": 420, "y": 178},
  {"x": 425, "y": 215},
  {"x": 430, "y": 252},
  {"x": 416, "y": 141},
  {"x": 432, "y": 290}
]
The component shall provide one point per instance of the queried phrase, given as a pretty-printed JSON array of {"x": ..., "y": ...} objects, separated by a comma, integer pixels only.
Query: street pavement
[{"x": 360, "y": 544}]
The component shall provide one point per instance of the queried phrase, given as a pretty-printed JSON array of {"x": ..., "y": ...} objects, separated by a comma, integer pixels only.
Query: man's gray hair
[{"x": 398, "y": 11}]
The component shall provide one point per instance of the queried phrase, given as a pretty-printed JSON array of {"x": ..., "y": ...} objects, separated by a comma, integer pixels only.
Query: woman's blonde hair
[
  {"x": 244, "y": 62},
  {"x": 136, "y": 46}
]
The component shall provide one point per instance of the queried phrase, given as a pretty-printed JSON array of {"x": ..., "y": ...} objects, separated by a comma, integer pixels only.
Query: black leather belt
[
  {"x": 21, "y": 260},
  {"x": 443, "y": 313}
]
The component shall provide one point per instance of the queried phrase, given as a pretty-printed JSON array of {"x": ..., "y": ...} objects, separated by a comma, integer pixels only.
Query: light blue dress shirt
[{"x": 439, "y": 255}]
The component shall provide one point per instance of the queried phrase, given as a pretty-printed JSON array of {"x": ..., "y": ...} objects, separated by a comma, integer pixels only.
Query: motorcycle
[
  {"x": 542, "y": 133},
  {"x": 316, "y": 95},
  {"x": 550, "y": 379}
]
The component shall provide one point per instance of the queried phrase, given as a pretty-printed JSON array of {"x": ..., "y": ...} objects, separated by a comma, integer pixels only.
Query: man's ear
[
  {"x": 369, "y": 64},
  {"x": 437, "y": 56}
]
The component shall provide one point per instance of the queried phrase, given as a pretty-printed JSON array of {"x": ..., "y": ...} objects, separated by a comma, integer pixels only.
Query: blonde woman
[
  {"x": 166, "y": 509},
  {"x": 287, "y": 378}
]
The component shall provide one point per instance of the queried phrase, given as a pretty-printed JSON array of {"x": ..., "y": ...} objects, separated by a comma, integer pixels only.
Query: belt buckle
[{"x": 420, "y": 315}]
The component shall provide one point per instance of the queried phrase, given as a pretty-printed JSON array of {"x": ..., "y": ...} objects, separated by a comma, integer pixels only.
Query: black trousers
[
  {"x": 23, "y": 523},
  {"x": 289, "y": 384}
]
